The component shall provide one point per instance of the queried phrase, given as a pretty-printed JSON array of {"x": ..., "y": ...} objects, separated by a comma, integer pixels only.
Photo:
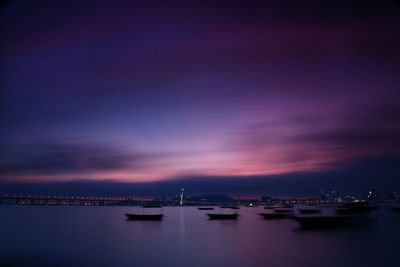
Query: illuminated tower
[{"x": 181, "y": 202}]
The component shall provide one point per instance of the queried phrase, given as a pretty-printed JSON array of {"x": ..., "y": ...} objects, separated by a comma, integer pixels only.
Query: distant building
[
  {"x": 372, "y": 196},
  {"x": 266, "y": 199}
]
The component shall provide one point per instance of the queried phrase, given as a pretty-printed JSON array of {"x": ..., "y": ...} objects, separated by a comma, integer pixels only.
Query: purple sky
[{"x": 156, "y": 90}]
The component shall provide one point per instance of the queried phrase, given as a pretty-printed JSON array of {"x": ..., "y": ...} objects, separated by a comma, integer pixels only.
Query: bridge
[{"x": 73, "y": 200}]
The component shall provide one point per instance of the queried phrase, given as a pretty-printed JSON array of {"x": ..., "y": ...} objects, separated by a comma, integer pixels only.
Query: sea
[{"x": 70, "y": 236}]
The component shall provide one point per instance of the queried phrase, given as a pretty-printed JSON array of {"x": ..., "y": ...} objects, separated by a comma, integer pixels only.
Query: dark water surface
[{"x": 100, "y": 236}]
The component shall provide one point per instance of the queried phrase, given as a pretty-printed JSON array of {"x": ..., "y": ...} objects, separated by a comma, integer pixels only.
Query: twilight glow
[{"x": 141, "y": 92}]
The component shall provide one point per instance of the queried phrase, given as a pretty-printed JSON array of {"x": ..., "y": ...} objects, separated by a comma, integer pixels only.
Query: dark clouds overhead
[
  {"x": 154, "y": 90},
  {"x": 68, "y": 157}
]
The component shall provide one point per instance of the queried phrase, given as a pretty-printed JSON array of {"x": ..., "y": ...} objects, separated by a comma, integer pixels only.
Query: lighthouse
[{"x": 181, "y": 201}]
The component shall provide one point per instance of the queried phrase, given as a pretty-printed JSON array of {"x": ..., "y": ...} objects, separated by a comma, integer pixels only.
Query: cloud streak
[
  {"x": 151, "y": 92},
  {"x": 307, "y": 142},
  {"x": 60, "y": 158}
]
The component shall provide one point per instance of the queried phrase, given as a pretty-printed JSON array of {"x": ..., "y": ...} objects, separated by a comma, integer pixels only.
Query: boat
[
  {"x": 281, "y": 210},
  {"x": 144, "y": 217},
  {"x": 273, "y": 216},
  {"x": 222, "y": 216},
  {"x": 309, "y": 211},
  {"x": 151, "y": 206},
  {"x": 356, "y": 209},
  {"x": 396, "y": 209},
  {"x": 205, "y": 208},
  {"x": 287, "y": 206},
  {"x": 230, "y": 207},
  {"x": 311, "y": 222}
]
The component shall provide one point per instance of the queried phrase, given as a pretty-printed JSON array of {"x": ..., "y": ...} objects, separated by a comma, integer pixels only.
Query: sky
[{"x": 216, "y": 94}]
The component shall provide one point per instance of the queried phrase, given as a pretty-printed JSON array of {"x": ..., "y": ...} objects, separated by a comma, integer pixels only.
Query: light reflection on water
[{"x": 100, "y": 236}]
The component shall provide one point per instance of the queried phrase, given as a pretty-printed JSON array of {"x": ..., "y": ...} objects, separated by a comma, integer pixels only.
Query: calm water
[{"x": 100, "y": 236}]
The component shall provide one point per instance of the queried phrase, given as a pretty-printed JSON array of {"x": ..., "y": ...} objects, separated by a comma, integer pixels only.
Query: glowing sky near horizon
[{"x": 148, "y": 91}]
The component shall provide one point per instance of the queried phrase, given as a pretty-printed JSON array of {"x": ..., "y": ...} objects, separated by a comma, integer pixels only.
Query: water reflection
[
  {"x": 100, "y": 236},
  {"x": 181, "y": 227}
]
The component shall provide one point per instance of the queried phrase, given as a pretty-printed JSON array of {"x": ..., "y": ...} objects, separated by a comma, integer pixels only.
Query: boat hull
[
  {"x": 144, "y": 217},
  {"x": 206, "y": 208},
  {"x": 268, "y": 208},
  {"x": 230, "y": 207},
  {"x": 309, "y": 211},
  {"x": 275, "y": 216},
  {"x": 396, "y": 209},
  {"x": 315, "y": 222},
  {"x": 356, "y": 210},
  {"x": 286, "y": 211},
  {"x": 214, "y": 216}
]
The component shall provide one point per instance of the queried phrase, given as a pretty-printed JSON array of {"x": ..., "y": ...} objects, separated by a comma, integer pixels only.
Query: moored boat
[
  {"x": 309, "y": 211},
  {"x": 144, "y": 217},
  {"x": 273, "y": 216},
  {"x": 396, "y": 209},
  {"x": 152, "y": 206},
  {"x": 349, "y": 210},
  {"x": 205, "y": 208},
  {"x": 222, "y": 216},
  {"x": 287, "y": 206},
  {"x": 230, "y": 207},
  {"x": 311, "y": 222},
  {"x": 280, "y": 210}
]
